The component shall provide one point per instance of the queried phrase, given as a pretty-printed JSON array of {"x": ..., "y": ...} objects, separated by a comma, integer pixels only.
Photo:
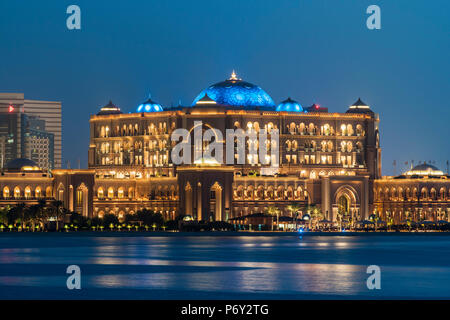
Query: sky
[{"x": 315, "y": 51}]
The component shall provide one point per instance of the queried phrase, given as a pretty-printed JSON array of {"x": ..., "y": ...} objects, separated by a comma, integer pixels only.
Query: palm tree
[
  {"x": 4, "y": 216},
  {"x": 273, "y": 211},
  {"x": 57, "y": 210},
  {"x": 21, "y": 213},
  {"x": 316, "y": 215},
  {"x": 294, "y": 209},
  {"x": 37, "y": 214},
  {"x": 339, "y": 219},
  {"x": 375, "y": 217}
]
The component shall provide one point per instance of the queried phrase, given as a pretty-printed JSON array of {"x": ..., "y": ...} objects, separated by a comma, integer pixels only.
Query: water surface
[{"x": 223, "y": 266}]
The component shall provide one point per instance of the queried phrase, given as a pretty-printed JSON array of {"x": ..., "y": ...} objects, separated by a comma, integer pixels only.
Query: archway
[{"x": 346, "y": 206}]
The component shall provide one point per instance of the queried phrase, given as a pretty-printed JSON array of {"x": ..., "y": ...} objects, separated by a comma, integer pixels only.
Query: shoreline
[{"x": 216, "y": 234}]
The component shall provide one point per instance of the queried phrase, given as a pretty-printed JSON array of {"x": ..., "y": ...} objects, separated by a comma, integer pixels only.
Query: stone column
[
  {"x": 365, "y": 205},
  {"x": 325, "y": 190}
]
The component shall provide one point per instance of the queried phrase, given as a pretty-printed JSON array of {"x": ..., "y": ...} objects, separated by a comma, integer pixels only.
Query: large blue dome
[
  {"x": 237, "y": 93},
  {"x": 149, "y": 106},
  {"x": 290, "y": 105}
]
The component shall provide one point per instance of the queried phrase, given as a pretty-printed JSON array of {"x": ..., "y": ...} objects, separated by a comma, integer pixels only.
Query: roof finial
[{"x": 234, "y": 76}]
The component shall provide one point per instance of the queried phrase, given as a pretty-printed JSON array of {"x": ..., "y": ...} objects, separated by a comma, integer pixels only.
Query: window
[
  {"x": 79, "y": 197},
  {"x": 100, "y": 193},
  {"x": 6, "y": 192},
  {"x": 110, "y": 193},
  {"x": 27, "y": 193}
]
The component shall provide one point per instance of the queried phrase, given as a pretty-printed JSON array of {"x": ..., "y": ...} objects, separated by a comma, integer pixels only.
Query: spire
[
  {"x": 359, "y": 103},
  {"x": 234, "y": 76}
]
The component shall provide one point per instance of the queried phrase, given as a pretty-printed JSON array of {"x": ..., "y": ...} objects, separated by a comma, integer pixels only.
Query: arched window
[
  {"x": 61, "y": 194},
  {"x": 442, "y": 194},
  {"x": 302, "y": 128},
  {"x": 100, "y": 193},
  {"x": 270, "y": 193},
  {"x": 240, "y": 192},
  {"x": 359, "y": 130},
  {"x": 120, "y": 193},
  {"x": 326, "y": 130},
  {"x": 424, "y": 194},
  {"x": 433, "y": 194},
  {"x": 38, "y": 192},
  {"x": 48, "y": 192},
  {"x": 292, "y": 128},
  {"x": 130, "y": 193},
  {"x": 349, "y": 146},
  {"x": 349, "y": 130},
  {"x": 329, "y": 146},
  {"x": 27, "y": 193},
  {"x": 110, "y": 192},
  {"x": 6, "y": 192},
  {"x": 294, "y": 145}
]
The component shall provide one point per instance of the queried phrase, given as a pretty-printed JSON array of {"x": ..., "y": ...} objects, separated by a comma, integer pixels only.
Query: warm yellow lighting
[{"x": 234, "y": 76}]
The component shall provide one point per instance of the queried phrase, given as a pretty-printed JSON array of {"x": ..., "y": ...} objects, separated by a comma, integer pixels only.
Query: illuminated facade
[
  {"x": 326, "y": 159},
  {"x": 330, "y": 160},
  {"x": 422, "y": 193}
]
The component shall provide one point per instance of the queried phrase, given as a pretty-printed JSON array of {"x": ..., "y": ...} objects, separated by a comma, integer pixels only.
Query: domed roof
[
  {"x": 237, "y": 93},
  {"x": 110, "y": 108},
  {"x": 289, "y": 105},
  {"x": 424, "y": 169},
  {"x": 205, "y": 101},
  {"x": 22, "y": 164},
  {"x": 149, "y": 106},
  {"x": 359, "y": 107}
]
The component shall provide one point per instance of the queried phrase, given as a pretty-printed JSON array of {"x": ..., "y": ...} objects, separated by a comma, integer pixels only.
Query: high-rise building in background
[{"x": 30, "y": 129}]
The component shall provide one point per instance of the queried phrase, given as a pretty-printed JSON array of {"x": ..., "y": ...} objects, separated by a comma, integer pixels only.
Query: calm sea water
[{"x": 216, "y": 266}]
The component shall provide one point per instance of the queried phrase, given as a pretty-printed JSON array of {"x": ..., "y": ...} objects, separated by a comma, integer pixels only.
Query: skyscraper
[{"x": 36, "y": 111}]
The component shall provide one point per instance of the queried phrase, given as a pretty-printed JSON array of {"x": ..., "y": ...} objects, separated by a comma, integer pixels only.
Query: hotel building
[{"x": 327, "y": 159}]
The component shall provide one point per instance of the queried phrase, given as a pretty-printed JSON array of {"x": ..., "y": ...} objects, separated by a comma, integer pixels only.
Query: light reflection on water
[{"x": 221, "y": 267}]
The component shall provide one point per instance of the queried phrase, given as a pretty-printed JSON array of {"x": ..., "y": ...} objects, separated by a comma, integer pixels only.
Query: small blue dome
[
  {"x": 149, "y": 106},
  {"x": 290, "y": 105},
  {"x": 237, "y": 93}
]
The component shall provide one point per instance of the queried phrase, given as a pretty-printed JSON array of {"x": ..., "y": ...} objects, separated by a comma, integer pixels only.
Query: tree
[
  {"x": 149, "y": 218},
  {"x": 109, "y": 219},
  {"x": 294, "y": 209},
  {"x": 273, "y": 211},
  {"x": 4, "y": 216},
  {"x": 16, "y": 214},
  {"x": 316, "y": 214},
  {"x": 57, "y": 211},
  {"x": 79, "y": 220}
]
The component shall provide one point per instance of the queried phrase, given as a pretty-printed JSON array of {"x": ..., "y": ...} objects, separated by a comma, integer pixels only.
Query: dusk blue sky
[{"x": 311, "y": 50}]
